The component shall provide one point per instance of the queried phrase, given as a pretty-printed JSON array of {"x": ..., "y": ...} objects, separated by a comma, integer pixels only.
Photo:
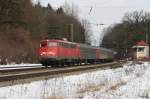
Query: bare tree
[
  {"x": 132, "y": 29},
  {"x": 71, "y": 10},
  {"x": 88, "y": 32},
  {"x": 136, "y": 17},
  {"x": 23, "y": 25}
]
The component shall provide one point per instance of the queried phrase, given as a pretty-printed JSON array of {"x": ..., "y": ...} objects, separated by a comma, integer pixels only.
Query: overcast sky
[{"x": 104, "y": 11}]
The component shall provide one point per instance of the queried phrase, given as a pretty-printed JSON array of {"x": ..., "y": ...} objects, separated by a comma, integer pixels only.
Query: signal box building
[{"x": 141, "y": 50}]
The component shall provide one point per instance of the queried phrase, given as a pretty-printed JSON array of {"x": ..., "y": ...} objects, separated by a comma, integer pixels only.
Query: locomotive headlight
[
  {"x": 51, "y": 53},
  {"x": 48, "y": 53},
  {"x": 43, "y": 53}
]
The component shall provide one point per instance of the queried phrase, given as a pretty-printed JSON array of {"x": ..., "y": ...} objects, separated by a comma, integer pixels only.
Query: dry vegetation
[
  {"x": 23, "y": 25},
  {"x": 123, "y": 36}
]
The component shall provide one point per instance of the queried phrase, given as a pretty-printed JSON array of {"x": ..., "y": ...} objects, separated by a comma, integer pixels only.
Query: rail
[{"x": 38, "y": 72}]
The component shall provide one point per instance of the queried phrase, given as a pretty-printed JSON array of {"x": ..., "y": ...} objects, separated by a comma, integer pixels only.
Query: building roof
[{"x": 141, "y": 43}]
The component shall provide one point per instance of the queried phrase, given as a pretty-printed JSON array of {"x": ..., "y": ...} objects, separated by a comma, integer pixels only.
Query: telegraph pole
[
  {"x": 98, "y": 24},
  {"x": 146, "y": 34},
  {"x": 71, "y": 31}
]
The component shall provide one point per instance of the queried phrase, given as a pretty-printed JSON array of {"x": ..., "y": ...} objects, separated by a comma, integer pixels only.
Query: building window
[{"x": 141, "y": 49}]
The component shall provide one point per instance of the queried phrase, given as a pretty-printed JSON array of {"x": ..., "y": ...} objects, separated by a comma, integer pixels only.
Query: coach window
[
  {"x": 68, "y": 45},
  {"x": 73, "y": 46}
]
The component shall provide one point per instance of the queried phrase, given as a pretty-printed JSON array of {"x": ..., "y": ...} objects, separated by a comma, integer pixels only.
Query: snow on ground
[
  {"x": 130, "y": 82},
  {"x": 19, "y": 65}
]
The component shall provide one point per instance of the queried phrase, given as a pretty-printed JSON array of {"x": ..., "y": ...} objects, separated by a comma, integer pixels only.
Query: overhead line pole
[
  {"x": 72, "y": 34},
  {"x": 146, "y": 34}
]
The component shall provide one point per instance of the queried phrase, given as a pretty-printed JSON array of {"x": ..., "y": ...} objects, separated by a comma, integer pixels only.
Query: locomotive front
[{"x": 48, "y": 51}]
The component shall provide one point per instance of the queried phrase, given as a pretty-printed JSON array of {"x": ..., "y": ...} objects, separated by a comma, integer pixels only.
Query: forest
[
  {"x": 24, "y": 24},
  {"x": 121, "y": 37}
]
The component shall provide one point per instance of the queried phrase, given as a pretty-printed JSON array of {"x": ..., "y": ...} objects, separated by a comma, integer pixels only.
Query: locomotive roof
[
  {"x": 55, "y": 40},
  {"x": 82, "y": 45}
]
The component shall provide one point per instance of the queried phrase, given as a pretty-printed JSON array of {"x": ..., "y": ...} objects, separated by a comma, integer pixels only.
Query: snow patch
[{"x": 129, "y": 82}]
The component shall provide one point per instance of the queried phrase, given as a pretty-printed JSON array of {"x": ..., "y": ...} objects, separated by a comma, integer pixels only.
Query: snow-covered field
[{"x": 130, "y": 82}]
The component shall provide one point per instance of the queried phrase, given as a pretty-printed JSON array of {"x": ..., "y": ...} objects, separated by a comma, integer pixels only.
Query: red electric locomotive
[
  {"x": 53, "y": 52},
  {"x": 61, "y": 52}
]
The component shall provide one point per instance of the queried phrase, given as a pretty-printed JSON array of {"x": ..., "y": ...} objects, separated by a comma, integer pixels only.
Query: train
[{"x": 55, "y": 52}]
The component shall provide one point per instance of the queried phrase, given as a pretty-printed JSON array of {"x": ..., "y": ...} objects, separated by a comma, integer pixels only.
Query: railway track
[{"x": 25, "y": 73}]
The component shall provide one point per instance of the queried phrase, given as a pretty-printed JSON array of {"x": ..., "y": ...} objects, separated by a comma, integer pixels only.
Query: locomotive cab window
[
  {"x": 52, "y": 44},
  {"x": 43, "y": 44}
]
